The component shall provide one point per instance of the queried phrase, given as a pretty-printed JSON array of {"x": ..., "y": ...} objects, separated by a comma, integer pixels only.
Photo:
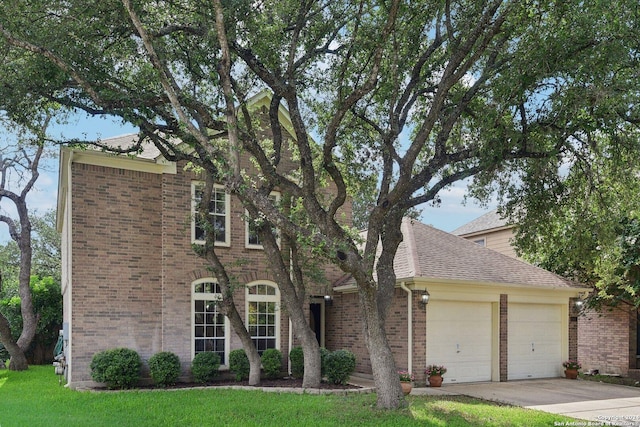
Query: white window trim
[
  {"x": 263, "y": 298},
  {"x": 227, "y": 215},
  {"x": 481, "y": 241},
  {"x": 227, "y": 325},
  {"x": 248, "y": 245}
]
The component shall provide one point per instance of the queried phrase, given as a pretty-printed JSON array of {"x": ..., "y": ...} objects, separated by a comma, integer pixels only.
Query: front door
[{"x": 316, "y": 319}]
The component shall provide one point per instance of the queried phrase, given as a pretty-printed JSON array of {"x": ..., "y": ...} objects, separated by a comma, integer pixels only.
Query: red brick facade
[
  {"x": 504, "y": 336},
  {"x": 133, "y": 265},
  {"x": 607, "y": 341}
]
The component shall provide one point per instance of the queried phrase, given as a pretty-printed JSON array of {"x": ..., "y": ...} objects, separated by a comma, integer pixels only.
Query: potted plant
[
  {"x": 406, "y": 381},
  {"x": 434, "y": 374},
  {"x": 571, "y": 368}
]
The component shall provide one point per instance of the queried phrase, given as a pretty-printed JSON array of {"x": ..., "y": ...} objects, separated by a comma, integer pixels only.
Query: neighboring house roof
[{"x": 489, "y": 221}]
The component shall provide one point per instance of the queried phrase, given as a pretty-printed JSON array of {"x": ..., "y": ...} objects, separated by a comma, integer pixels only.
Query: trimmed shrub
[
  {"x": 271, "y": 363},
  {"x": 297, "y": 362},
  {"x": 117, "y": 368},
  {"x": 239, "y": 364},
  {"x": 165, "y": 368},
  {"x": 340, "y": 365},
  {"x": 205, "y": 366},
  {"x": 324, "y": 354}
]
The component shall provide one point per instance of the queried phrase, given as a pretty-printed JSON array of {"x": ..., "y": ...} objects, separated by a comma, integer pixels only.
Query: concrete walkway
[{"x": 598, "y": 403}]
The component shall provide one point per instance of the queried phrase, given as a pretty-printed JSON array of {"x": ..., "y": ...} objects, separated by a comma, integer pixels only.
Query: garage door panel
[
  {"x": 459, "y": 337},
  {"x": 535, "y": 341}
]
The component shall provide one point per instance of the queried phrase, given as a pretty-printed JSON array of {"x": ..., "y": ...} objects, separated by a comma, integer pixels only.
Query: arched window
[
  {"x": 263, "y": 315},
  {"x": 210, "y": 328}
]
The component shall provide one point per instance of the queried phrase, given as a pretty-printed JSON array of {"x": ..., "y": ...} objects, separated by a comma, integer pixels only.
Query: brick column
[
  {"x": 419, "y": 350},
  {"x": 504, "y": 337},
  {"x": 574, "y": 312}
]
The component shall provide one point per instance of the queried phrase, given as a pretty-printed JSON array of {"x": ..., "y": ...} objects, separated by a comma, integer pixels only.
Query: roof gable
[
  {"x": 429, "y": 253},
  {"x": 489, "y": 221}
]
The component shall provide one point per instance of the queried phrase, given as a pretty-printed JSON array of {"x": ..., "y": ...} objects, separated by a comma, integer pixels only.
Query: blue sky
[{"x": 448, "y": 216}]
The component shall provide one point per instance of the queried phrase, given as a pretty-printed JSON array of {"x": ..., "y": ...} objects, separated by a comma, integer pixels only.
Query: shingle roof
[
  {"x": 149, "y": 151},
  {"x": 427, "y": 252},
  {"x": 488, "y": 221}
]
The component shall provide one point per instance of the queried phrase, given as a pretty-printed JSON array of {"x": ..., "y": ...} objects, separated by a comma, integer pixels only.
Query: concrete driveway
[{"x": 602, "y": 404}]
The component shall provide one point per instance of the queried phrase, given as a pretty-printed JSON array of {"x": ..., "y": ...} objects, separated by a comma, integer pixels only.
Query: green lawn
[{"x": 34, "y": 398}]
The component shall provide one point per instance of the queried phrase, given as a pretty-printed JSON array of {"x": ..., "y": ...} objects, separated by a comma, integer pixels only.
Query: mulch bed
[{"x": 280, "y": 382}]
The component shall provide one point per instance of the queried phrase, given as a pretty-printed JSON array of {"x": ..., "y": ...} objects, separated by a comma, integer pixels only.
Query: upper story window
[
  {"x": 219, "y": 215},
  {"x": 252, "y": 239},
  {"x": 210, "y": 328},
  {"x": 481, "y": 242}
]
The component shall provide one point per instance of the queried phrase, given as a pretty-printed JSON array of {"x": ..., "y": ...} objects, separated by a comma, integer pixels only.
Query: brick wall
[
  {"x": 133, "y": 265},
  {"x": 345, "y": 330},
  {"x": 504, "y": 337},
  {"x": 603, "y": 340},
  {"x": 117, "y": 263},
  {"x": 419, "y": 337},
  {"x": 574, "y": 312}
]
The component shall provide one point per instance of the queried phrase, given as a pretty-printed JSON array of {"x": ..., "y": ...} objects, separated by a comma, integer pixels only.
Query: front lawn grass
[{"x": 35, "y": 398}]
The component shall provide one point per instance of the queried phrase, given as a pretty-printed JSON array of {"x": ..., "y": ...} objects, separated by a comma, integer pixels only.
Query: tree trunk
[
  {"x": 310, "y": 347},
  {"x": 294, "y": 299},
  {"x": 18, "y": 361},
  {"x": 383, "y": 365},
  {"x": 255, "y": 364}
]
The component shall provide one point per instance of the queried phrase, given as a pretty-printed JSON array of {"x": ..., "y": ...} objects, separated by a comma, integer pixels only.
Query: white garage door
[
  {"x": 459, "y": 337},
  {"x": 535, "y": 341}
]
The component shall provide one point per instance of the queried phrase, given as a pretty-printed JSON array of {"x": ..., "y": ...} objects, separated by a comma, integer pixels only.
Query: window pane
[
  {"x": 220, "y": 229},
  {"x": 199, "y": 319}
]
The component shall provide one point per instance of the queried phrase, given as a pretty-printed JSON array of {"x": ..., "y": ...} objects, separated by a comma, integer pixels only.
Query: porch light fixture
[
  {"x": 580, "y": 300},
  {"x": 424, "y": 298},
  {"x": 328, "y": 300}
]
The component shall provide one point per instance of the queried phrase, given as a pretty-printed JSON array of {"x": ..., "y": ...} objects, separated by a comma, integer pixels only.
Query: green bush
[
  {"x": 47, "y": 302},
  {"x": 297, "y": 362},
  {"x": 165, "y": 368},
  {"x": 324, "y": 354},
  {"x": 340, "y": 365},
  {"x": 117, "y": 368},
  {"x": 271, "y": 363},
  {"x": 239, "y": 364},
  {"x": 205, "y": 366}
]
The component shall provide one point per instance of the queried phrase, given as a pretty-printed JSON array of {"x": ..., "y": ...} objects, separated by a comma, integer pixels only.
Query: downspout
[
  {"x": 409, "y": 326},
  {"x": 290, "y": 344},
  {"x": 68, "y": 216}
]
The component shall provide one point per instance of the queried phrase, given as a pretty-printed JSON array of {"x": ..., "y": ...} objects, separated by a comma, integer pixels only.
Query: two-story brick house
[
  {"x": 130, "y": 276},
  {"x": 131, "y": 279}
]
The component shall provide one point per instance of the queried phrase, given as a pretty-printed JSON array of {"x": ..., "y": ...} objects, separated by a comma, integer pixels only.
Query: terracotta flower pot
[
  {"x": 435, "y": 381},
  {"x": 572, "y": 374},
  {"x": 406, "y": 387}
]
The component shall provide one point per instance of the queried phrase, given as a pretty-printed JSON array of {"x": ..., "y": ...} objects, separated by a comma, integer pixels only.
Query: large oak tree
[
  {"x": 19, "y": 162},
  {"x": 406, "y": 96}
]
